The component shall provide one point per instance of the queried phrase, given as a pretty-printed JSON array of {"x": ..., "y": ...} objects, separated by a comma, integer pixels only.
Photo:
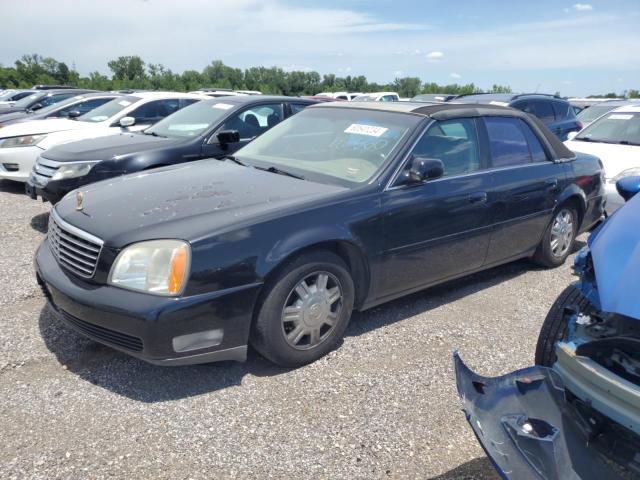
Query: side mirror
[
  {"x": 628, "y": 186},
  {"x": 73, "y": 114},
  {"x": 226, "y": 137},
  {"x": 36, "y": 106},
  {"x": 571, "y": 135},
  {"x": 127, "y": 122},
  {"x": 423, "y": 169}
]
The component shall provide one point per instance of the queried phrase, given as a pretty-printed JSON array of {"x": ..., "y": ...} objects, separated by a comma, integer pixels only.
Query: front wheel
[
  {"x": 304, "y": 310},
  {"x": 558, "y": 239},
  {"x": 554, "y": 328}
]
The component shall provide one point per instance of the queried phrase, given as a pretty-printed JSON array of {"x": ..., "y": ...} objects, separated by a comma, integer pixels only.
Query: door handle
[
  {"x": 478, "y": 197},
  {"x": 552, "y": 185}
]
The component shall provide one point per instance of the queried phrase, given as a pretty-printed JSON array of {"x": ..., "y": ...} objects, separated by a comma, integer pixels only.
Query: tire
[
  {"x": 288, "y": 327},
  {"x": 554, "y": 327},
  {"x": 561, "y": 230}
]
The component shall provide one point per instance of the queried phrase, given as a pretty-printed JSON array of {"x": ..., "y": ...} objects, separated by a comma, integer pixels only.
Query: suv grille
[{"x": 73, "y": 248}]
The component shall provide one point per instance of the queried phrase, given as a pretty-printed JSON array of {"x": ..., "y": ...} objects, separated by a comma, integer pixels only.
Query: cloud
[
  {"x": 398, "y": 74},
  {"x": 297, "y": 68},
  {"x": 455, "y": 75},
  {"x": 344, "y": 70},
  {"x": 583, "y": 7},
  {"x": 435, "y": 56}
]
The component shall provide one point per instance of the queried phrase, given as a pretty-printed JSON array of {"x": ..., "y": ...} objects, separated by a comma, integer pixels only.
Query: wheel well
[
  {"x": 578, "y": 204},
  {"x": 352, "y": 256}
]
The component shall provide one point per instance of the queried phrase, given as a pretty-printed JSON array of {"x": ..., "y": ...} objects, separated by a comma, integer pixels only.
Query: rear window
[
  {"x": 507, "y": 142},
  {"x": 544, "y": 111},
  {"x": 563, "y": 110}
]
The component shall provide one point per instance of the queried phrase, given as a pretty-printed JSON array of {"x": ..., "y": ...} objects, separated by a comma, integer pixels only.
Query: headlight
[
  {"x": 24, "y": 141},
  {"x": 626, "y": 173},
  {"x": 160, "y": 267},
  {"x": 71, "y": 170}
]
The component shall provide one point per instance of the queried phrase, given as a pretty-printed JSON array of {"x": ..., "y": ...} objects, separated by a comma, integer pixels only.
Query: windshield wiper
[
  {"x": 234, "y": 159},
  {"x": 273, "y": 169}
]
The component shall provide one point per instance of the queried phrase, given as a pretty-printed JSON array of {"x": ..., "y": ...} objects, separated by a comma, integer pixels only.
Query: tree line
[{"x": 133, "y": 72}]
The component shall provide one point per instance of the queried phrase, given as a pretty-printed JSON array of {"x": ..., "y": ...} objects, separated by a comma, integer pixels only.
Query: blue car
[
  {"x": 577, "y": 414},
  {"x": 556, "y": 113}
]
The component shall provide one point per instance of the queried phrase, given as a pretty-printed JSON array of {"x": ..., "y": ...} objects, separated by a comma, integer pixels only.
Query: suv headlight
[
  {"x": 23, "y": 141},
  {"x": 160, "y": 267},
  {"x": 72, "y": 170},
  {"x": 626, "y": 173}
]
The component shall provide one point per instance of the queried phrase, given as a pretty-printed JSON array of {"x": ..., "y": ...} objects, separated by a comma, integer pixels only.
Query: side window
[
  {"x": 82, "y": 107},
  {"x": 253, "y": 121},
  {"x": 51, "y": 99},
  {"x": 388, "y": 98},
  {"x": 507, "y": 142},
  {"x": 342, "y": 97},
  {"x": 563, "y": 110},
  {"x": 151, "y": 112},
  {"x": 535, "y": 147},
  {"x": 454, "y": 142},
  {"x": 297, "y": 107},
  {"x": 544, "y": 111}
]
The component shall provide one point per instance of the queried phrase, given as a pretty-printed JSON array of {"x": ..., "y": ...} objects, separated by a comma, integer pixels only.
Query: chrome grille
[
  {"x": 46, "y": 168},
  {"x": 73, "y": 248}
]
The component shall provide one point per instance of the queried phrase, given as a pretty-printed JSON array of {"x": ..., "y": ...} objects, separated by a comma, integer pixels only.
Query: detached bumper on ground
[{"x": 160, "y": 330}]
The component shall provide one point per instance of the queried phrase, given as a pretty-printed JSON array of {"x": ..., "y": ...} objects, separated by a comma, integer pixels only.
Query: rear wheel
[
  {"x": 558, "y": 239},
  {"x": 554, "y": 328},
  {"x": 305, "y": 310}
]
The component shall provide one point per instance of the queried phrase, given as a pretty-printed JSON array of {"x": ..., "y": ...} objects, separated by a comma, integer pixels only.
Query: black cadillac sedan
[
  {"x": 340, "y": 207},
  {"x": 208, "y": 129}
]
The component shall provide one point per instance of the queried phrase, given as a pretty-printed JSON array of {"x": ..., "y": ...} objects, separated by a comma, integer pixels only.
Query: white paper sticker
[
  {"x": 620, "y": 116},
  {"x": 124, "y": 103},
  {"x": 222, "y": 106},
  {"x": 502, "y": 104},
  {"x": 370, "y": 130}
]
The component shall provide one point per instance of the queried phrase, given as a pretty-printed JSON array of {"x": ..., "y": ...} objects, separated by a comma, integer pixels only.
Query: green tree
[{"x": 128, "y": 69}]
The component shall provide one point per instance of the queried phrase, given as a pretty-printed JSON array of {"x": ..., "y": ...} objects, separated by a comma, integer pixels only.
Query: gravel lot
[{"x": 382, "y": 406}]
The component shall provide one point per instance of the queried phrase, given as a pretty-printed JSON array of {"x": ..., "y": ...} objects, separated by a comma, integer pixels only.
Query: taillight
[{"x": 579, "y": 124}]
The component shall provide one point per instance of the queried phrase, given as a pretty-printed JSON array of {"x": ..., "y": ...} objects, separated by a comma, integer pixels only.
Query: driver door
[{"x": 438, "y": 229}]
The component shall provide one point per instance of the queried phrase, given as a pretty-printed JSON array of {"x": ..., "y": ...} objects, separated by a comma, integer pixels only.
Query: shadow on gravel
[
  {"x": 40, "y": 222},
  {"x": 477, "y": 469},
  {"x": 138, "y": 380},
  {"x": 9, "y": 186}
]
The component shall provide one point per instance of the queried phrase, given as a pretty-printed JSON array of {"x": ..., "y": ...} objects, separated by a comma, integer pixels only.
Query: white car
[
  {"x": 615, "y": 139},
  {"x": 378, "y": 97},
  {"x": 340, "y": 95},
  {"x": 22, "y": 143}
]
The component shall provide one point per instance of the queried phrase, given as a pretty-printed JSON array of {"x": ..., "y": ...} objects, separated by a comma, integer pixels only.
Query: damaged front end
[{"x": 578, "y": 417}]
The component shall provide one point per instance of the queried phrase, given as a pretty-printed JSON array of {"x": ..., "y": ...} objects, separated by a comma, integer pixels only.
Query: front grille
[
  {"x": 46, "y": 168},
  {"x": 73, "y": 248},
  {"x": 11, "y": 167},
  {"x": 106, "y": 335}
]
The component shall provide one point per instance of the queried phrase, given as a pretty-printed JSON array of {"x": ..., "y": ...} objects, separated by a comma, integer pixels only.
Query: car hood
[
  {"x": 48, "y": 125},
  {"x": 615, "y": 251},
  {"x": 526, "y": 427},
  {"x": 615, "y": 158},
  {"x": 187, "y": 201},
  {"x": 103, "y": 148},
  {"x": 8, "y": 117}
]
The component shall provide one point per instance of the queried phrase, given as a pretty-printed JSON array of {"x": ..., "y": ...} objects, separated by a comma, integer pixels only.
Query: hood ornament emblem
[{"x": 79, "y": 200}]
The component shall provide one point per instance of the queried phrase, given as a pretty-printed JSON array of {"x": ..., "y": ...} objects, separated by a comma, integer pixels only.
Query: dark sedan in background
[
  {"x": 207, "y": 129},
  {"x": 343, "y": 206}
]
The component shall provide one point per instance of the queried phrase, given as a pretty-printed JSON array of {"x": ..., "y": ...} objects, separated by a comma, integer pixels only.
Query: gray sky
[{"x": 546, "y": 45}]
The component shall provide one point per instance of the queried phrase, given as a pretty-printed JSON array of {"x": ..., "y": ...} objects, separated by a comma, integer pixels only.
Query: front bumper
[
  {"x": 530, "y": 430},
  {"x": 16, "y": 163},
  {"x": 144, "y": 325}
]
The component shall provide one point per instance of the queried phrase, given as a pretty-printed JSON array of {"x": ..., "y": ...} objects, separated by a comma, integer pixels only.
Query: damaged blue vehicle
[{"x": 576, "y": 415}]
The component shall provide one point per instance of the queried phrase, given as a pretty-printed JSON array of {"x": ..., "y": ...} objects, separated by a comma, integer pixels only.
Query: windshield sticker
[
  {"x": 222, "y": 106},
  {"x": 620, "y": 116},
  {"x": 124, "y": 103},
  {"x": 501, "y": 104},
  {"x": 369, "y": 130}
]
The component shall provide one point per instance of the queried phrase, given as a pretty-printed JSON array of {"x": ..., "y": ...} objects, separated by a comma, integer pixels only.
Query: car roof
[
  {"x": 56, "y": 91},
  {"x": 160, "y": 95},
  {"x": 630, "y": 101},
  {"x": 503, "y": 97},
  {"x": 627, "y": 109},
  {"x": 242, "y": 99}
]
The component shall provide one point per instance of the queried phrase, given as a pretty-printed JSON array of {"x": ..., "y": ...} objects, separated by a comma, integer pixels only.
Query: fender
[{"x": 573, "y": 190}]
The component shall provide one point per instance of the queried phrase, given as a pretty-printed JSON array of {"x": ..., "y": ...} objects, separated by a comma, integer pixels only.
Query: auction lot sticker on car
[
  {"x": 370, "y": 130},
  {"x": 620, "y": 116},
  {"x": 222, "y": 106}
]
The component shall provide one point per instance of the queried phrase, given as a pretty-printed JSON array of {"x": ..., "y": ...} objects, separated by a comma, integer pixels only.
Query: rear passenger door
[
  {"x": 526, "y": 186},
  {"x": 440, "y": 228}
]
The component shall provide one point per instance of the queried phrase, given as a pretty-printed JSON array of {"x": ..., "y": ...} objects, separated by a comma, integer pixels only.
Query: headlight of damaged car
[
  {"x": 73, "y": 169},
  {"x": 23, "y": 141},
  {"x": 160, "y": 267}
]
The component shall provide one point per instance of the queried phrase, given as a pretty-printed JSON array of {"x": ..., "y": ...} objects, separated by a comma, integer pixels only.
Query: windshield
[
  {"x": 588, "y": 115},
  {"x": 191, "y": 121},
  {"x": 341, "y": 146},
  {"x": 58, "y": 106},
  {"x": 7, "y": 95},
  {"x": 26, "y": 102},
  {"x": 108, "y": 110},
  {"x": 621, "y": 127}
]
